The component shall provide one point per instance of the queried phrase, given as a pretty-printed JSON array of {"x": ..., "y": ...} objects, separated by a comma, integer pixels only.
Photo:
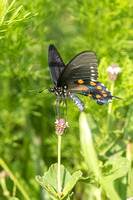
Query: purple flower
[
  {"x": 131, "y": 198},
  {"x": 113, "y": 72},
  {"x": 60, "y": 126}
]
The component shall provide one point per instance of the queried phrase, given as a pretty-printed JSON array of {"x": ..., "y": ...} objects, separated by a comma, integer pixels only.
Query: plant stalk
[
  {"x": 16, "y": 182},
  {"x": 110, "y": 107},
  {"x": 59, "y": 163}
]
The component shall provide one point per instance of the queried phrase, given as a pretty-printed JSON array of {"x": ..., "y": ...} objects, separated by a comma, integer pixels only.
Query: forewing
[
  {"x": 84, "y": 66},
  {"x": 92, "y": 89},
  {"x": 56, "y": 64}
]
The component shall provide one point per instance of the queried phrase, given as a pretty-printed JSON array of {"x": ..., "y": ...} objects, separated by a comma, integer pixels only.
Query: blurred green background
[{"x": 28, "y": 143}]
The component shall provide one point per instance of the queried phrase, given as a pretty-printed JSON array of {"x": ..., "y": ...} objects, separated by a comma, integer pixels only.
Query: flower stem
[
  {"x": 129, "y": 158},
  {"x": 110, "y": 108},
  {"x": 14, "y": 190},
  {"x": 16, "y": 182},
  {"x": 5, "y": 190},
  {"x": 59, "y": 163}
]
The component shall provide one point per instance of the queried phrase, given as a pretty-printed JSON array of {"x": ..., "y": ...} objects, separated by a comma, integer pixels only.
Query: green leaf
[
  {"x": 50, "y": 180},
  {"x": 15, "y": 14},
  {"x": 91, "y": 157},
  {"x": 87, "y": 146},
  {"x": 130, "y": 185},
  {"x": 128, "y": 129},
  {"x": 115, "y": 168},
  {"x": 10, "y": 6},
  {"x": 70, "y": 196},
  {"x": 14, "y": 198},
  {"x": 3, "y": 6}
]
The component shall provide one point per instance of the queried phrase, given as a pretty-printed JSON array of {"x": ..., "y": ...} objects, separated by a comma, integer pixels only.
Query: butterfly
[{"x": 78, "y": 76}]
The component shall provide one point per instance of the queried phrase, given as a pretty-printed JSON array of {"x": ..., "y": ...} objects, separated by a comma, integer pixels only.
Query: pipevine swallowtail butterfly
[{"x": 78, "y": 76}]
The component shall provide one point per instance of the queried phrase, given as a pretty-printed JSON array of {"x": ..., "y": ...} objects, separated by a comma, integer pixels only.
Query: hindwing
[{"x": 92, "y": 89}]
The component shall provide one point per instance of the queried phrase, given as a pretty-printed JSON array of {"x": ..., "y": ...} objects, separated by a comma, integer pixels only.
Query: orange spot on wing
[
  {"x": 103, "y": 91},
  {"x": 92, "y": 83},
  {"x": 98, "y": 96},
  {"x": 80, "y": 81},
  {"x": 89, "y": 95},
  {"x": 105, "y": 95},
  {"x": 99, "y": 87}
]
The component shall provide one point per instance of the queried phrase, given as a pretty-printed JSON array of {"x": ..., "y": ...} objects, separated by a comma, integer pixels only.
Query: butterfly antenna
[{"x": 40, "y": 90}]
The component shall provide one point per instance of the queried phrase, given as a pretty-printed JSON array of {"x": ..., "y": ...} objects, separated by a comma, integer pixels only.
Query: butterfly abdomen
[{"x": 77, "y": 101}]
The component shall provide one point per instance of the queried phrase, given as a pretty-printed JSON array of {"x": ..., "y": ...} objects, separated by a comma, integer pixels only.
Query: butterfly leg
[
  {"x": 56, "y": 109},
  {"x": 65, "y": 101},
  {"x": 57, "y": 105},
  {"x": 60, "y": 105},
  {"x": 64, "y": 107}
]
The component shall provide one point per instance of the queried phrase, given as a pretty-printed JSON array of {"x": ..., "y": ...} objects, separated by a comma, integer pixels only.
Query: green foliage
[
  {"x": 115, "y": 168},
  {"x": 28, "y": 144},
  {"x": 50, "y": 181},
  {"x": 92, "y": 161}
]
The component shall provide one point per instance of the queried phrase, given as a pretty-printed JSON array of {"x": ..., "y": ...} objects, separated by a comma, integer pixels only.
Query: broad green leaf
[
  {"x": 130, "y": 184},
  {"x": 115, "y": 168},
  {"x": 14, "y": 198},
  {"x": 70, "y": 196},
  {"x": 50, "y": 180},
  {"x": 91, "y": 157},
  {"x": 87, "y": 145},
  {"x": 128, "y": 128}
]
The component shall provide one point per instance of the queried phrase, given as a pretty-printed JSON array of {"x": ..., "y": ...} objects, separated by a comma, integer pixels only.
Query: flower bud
[
  {"x": 6, "y": 193},
  {"x": 60, "y": 126},
  {"x": 4, "y": 174},
  {"x": 113, "y": 72}
]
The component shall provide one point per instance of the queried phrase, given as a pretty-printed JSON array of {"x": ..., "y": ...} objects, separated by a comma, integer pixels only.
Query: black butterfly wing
[
  {"x": 84, "y": 66},
  {"x": 92, "y": 89},
  {"x": 56, "y": 64}
]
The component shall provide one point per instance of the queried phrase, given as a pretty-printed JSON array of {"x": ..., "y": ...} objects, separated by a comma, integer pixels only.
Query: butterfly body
[
  {"x": 78, "y": 76},
  {"x": 59, "y": 91}
]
